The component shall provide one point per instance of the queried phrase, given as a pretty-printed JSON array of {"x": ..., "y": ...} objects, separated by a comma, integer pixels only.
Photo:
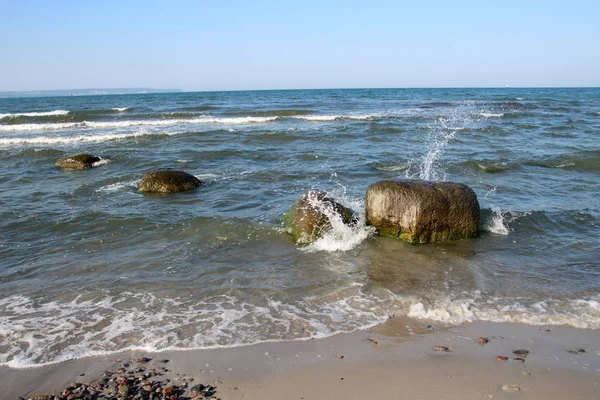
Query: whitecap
[{"x": 35, "y": 114}]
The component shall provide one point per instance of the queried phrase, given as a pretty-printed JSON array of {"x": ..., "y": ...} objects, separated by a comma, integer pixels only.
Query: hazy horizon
[{"x": 314, "y": 45}]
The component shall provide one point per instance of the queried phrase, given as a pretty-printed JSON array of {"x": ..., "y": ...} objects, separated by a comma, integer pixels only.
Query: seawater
[{"x": 90, "y": 266}]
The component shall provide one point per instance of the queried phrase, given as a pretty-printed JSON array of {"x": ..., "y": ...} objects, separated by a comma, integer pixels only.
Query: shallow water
[{"x": 90, "y": 266}]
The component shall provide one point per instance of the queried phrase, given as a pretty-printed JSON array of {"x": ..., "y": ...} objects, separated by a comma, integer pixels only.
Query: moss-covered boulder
[
  {"x": 422, "y": 211},
  {"x": 313, "y": 215},
  {"x": 79, "y": 161},
  {"x": 168, "y": 180}
]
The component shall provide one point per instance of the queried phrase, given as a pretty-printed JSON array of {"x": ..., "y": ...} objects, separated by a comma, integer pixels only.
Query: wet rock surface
[
  {"x": 133, "y": 381},
  {"x": 79, "y": 161},
  {"x": 168, "y": 180},
  {"x": 422, "y": 211},
  {"x": 311, "y": 216}
]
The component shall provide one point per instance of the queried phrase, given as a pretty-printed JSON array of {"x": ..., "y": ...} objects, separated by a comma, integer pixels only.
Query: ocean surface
[{"x": 88, "y": 265}]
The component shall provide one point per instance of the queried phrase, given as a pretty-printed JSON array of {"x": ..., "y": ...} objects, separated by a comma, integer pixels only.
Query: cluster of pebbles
[{"x": 135, "y": 381}]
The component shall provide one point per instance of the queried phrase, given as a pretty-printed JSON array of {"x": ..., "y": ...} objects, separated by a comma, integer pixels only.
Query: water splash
[
  {"x": 497, "y": 222},
  {"x": 342, "y": 237},
  {"x": 440, "y": 134}
]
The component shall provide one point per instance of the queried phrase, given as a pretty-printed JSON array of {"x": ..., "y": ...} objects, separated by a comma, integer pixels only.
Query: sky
[{"x": 242, "y": 45}]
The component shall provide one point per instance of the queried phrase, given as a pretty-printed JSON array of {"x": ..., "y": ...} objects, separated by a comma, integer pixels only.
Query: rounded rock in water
[
  {"x": 168, "y": 181},
  {"x": 422, "y": 211},
  {"x": 79, "y": 161},
  {"x": 310, "y": 217}
]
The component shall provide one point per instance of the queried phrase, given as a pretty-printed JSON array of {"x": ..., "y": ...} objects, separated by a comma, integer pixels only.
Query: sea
[{"x": 90, "y": 266}]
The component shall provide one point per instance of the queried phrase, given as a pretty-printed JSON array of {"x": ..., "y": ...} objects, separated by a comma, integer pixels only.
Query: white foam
[
  {"x": 496, "y": 223},
  {"x": 35, "y": 114},
  {"x": 114, "y": 187},
  {"x": 341, "y": 237},
  {"x": 491, "y": 115},
  {"x": 80, "y": 138},
  {"x": 39, "y": 333},
  {"x": 36, "y": 332},
  {"x": 103, "y": 161},
  {"x": 327, "y": 118},
  {"x": 121, "y": 109},
  {"x": 579, "y": 313},
  {"x": 130, "y": 123}
]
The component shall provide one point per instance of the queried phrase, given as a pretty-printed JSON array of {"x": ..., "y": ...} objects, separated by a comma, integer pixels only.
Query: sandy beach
[{"x": 395, "y": 360}]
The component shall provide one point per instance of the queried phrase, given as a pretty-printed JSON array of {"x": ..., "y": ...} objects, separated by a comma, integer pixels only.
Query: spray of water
[
  {"x": 497, "y": 222},
  {"x": 440, "y": 134},
  {"x": 341, "y": 236}
]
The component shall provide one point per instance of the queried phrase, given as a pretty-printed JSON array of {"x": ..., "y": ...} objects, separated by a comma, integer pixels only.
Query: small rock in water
[
  {"x": 519, "y": 359},
  {"x": 372, "y": 341},
  {"x": 143, "y": 360},
  {"x": 441, "y": 348},
  {"x": 164, "y": 361},
  {"x": 521, "y": 353},
  {"x": 511, "y": 388},
  {"x": 483, "y": 341},
  {"x": 501, "y": 358},
  {"x": 340, "y": 356}
]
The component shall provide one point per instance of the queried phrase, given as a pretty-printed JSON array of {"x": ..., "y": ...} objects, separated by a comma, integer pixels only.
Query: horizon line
[{"x": 179, "y": 90}]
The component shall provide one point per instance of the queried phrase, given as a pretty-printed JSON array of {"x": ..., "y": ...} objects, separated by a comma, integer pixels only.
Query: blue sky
[{"x": 230, "y": 45}]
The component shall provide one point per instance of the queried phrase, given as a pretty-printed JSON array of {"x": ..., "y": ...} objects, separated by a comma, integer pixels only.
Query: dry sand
[{"x": 396, "y": 360}]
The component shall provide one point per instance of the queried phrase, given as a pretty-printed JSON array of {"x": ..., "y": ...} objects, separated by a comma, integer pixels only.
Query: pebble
[
  {"x": 519, "y": 359},
  {"x": 483, "y": 340},
  {"x": 372, "y": 341},
  {"x": 501, "y": 358},
  {"x": 131, "y": 385},
  {"x": 521, "y": 353},
  {"x": 511, "y": 388},
  {"x": 441, "y": 348}
]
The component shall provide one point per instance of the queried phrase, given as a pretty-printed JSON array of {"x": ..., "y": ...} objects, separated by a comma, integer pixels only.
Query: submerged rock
[
  {"x": 168, "y": 180},
  {"x": 311, "y": 217},
  {"x": 422, "y": 211},
  {"x": 79, "y": 161}
]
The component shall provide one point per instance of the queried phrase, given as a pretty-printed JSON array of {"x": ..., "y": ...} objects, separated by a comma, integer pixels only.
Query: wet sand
[{"x": 395, "y": 360}]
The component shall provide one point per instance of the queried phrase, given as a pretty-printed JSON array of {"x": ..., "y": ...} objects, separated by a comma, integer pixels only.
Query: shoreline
[{"x": 395, "y": 359}]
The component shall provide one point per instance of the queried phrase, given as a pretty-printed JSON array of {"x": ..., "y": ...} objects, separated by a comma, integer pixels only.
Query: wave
[
  {"x": 121, "y": 109},
  {"x": 175, "y": 121},
  {"x": 272, "y": 113},
  {"x": 583, "y": 161},
  {"x": 327, "y": 118},
  {"x": 81, "y": 138},
  {"x": 497, "y": 222},
  {"x": 197, "y": 108},
  {"x": 489, "y": 166},
  {"x": 579, "y": 313},
  {"x": 341, "y": 237},
  {"x": 38, "y": 332},
  {"x": 129, "y": 123},
  {"x": 142, "y": 321},
  {"x": 34, "y": 114},
  {"x": 491, "y": 115}
]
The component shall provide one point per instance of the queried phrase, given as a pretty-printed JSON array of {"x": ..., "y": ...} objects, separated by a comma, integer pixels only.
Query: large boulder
[
  {"x": 312, "y": 216},
  {"x": 422, "y": 211},
  {"x": 79, "y": 161},
  {"x": 168, "y": 180}
]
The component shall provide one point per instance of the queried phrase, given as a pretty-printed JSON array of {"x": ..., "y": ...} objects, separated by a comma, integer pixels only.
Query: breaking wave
[{"x": 35, "y": 114}]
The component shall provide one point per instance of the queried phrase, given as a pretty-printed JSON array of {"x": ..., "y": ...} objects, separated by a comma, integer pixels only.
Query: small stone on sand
[{"x": 511, "y": 388}]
